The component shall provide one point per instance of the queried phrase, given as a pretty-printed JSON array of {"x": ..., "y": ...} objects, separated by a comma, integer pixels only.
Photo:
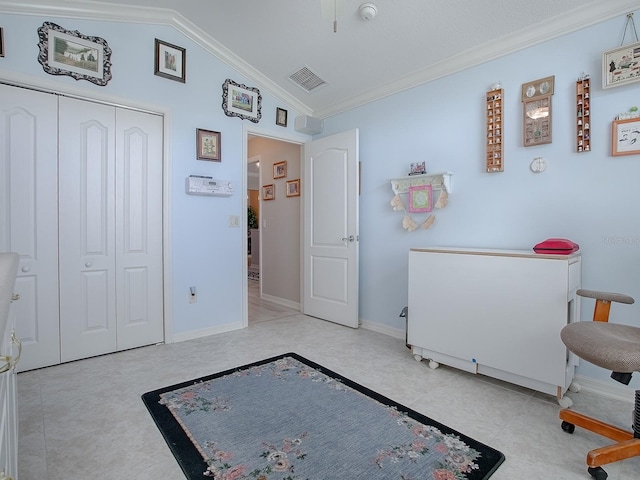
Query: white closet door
[
  {"x": 138, "y": 229},
  {"x": 87, "y": 229},
  {"x": 29, "y": 217}
]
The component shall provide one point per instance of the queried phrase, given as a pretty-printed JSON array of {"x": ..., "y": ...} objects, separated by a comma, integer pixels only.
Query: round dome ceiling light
[{"x": 368, "y": 11}]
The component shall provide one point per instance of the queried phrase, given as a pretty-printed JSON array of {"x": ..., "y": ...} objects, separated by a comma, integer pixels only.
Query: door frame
[
  {"x": 47, "y": 86},
  {"x": 288, "y": 137}
]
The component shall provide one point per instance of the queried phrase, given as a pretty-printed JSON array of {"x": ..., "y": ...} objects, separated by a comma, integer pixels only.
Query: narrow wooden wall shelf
[{"x": 436, "y": 180}]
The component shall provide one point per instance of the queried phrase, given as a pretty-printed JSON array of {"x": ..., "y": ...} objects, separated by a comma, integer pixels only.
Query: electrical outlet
[{"x": 193, "y": 296}]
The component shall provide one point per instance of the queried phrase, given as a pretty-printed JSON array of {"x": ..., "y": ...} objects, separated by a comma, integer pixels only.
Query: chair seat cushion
[{"x": 611, "y": 346}]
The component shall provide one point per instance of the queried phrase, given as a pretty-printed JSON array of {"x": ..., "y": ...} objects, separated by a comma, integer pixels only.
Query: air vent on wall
[{"x": 306, "y": 79}]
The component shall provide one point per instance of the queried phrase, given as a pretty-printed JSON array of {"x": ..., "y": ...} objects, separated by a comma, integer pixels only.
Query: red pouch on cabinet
[{"x": 556, "y": 246}]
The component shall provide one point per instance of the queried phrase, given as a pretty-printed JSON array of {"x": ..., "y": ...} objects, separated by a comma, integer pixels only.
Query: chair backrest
[{"x": 603, "y": 302}]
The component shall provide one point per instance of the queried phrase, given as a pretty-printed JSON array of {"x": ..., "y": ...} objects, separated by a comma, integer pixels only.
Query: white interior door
[
  {"x": 87, "y": 229},
  {"x": 29, "y": 217},
  {"x": 139, "y": 294},
  {"x": 330, "y": 232}
]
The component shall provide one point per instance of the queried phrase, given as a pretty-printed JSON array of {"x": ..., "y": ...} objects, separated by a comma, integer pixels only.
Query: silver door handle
[{"x": 351, "y": 238}]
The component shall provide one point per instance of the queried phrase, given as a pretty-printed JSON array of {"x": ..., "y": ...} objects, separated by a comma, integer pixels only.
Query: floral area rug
[{"x": 287, "y": 418}]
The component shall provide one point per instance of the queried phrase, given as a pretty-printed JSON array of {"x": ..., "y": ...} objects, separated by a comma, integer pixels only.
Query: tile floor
[{"x": 85, "y": 420}]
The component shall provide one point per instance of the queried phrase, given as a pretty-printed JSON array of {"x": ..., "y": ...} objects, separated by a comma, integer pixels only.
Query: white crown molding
[
  {"x": 154, "y": 16},
  {"x": 535, "y": 34}
]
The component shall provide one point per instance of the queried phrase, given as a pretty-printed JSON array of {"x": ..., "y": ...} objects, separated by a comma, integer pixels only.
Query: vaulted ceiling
[{"x": 408, "y": 43}]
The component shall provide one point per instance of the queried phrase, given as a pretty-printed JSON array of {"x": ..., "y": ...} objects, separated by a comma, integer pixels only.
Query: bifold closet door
[
  {"x": 87, "y": 229},
  {"x": 139, "y": 286},
  {"x": 110, "y": 225},
  {"x": 29, "y": 217}
]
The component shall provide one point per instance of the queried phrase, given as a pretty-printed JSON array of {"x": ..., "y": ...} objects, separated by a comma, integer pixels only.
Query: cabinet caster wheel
[
  {"x": 417, "y": 358},
  {"x": 568, "y": 427},
  {"x": 575, "y": 387},
  {"x": 598, "y": 473},
  {"x": 565, "y": 402},
  {"x": 433, "y": 364}
]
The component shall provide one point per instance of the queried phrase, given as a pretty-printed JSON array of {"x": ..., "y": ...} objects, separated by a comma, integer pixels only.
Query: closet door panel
[
  {"x": 29, "y": 217},
  {"x": 87, "y": 229},
  {"x": 139, "y": 141}
]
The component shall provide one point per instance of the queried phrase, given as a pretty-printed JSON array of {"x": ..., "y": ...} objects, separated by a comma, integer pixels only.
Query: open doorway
[{"x": 273, "y": 248}]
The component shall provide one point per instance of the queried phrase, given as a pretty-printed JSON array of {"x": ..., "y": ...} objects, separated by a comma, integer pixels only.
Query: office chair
[{"x": 614, "y": 347}]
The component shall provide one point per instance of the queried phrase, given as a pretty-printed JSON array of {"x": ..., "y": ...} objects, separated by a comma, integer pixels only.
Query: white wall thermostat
[{"x": 202, "y": 185}]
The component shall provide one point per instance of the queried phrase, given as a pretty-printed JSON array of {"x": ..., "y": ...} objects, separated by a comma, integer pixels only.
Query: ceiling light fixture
[{"x": 368, "y": 11}]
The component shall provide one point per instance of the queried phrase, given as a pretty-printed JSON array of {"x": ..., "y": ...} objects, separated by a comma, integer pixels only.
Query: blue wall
[
  {"x": 592, "y": 198},
  {"x": 205, "y": 251}
]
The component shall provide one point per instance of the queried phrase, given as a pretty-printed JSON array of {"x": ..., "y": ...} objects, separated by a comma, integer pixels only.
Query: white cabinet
[{"x": 495, "y": 312}]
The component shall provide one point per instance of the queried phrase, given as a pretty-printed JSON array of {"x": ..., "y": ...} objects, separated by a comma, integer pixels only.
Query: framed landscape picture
[
  {"x": 66, "y": 52},
  {"x": 241, "y": 101}
]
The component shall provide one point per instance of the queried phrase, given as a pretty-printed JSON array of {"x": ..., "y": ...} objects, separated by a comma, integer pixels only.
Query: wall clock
[{"x": 537, "y": 88}]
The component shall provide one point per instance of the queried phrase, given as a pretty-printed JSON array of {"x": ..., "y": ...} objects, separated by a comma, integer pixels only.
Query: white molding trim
[
  {"x": 205, "y": 332},
  {"x": 384, "y": 329},
  {"x": 156, "y": 16},
  {"x": 604, "y": 388},
  {"x": 281, "y": 301},
  {"x": 533, "y": 35},
  {"x": 572, "y": 21}
]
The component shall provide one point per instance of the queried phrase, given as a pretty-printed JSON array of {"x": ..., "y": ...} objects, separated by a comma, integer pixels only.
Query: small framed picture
[
  {"x": 69, "y": 52},
  {"x": 170, "y": 61},
  {"x": 280, "y": 170},
  {"x": 281, "y": 117},
  {"x": 621, "y": 65},
  {"x": 421, "y": 198},
  {"x": 625, "y": 137},
  {"x": 241, "y": 101},
  {"x": 1, "y": 42},
  {"x": 208, "y": 145},
  {"x": 268, "y": 192},
  {"x": 293, "y": 188}
]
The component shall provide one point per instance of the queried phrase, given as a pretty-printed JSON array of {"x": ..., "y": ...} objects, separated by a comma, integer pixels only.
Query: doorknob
[
  {"x": 88, "y": 264},
  {"x": 25, "y": 269},
  {"x": 351, "y": 238}
]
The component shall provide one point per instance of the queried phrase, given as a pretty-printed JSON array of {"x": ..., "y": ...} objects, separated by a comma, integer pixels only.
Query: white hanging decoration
[
  {"x": 408, "y": 224},
  {"x": 428, "y": 222},
  {"x": 403, "y": 186},
  {"x": 396, "y": 203},
  {"x": 443, "y": 199}
]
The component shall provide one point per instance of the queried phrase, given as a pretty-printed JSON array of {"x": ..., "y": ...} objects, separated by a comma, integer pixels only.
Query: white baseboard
[
  {"x": 385, "y": 330},
  {"x": 606, "y": 389},
  {"x": 205, "y": 332},
  {"x": 281, "y": 301}
]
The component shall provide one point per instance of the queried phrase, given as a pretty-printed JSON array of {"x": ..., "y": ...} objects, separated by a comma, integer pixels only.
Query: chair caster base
[
  {"x": 568, "y": 427},
  {"x": 598, "y": 473}
]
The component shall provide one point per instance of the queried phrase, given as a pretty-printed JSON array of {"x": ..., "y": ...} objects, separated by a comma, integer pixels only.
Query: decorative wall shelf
[
  {"x": 494, "y": 147},
  {"x": 417, "y": 190},
  {"x": 583, "y": 114},
  {"x": 436, "y": 180}
]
